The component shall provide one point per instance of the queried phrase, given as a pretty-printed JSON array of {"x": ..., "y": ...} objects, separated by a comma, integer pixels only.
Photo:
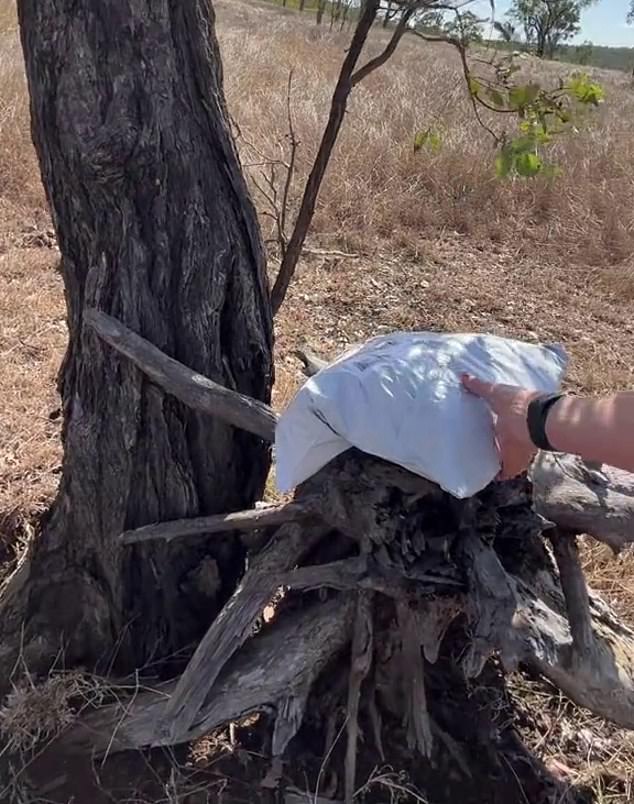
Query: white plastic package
[{"x": 399, "y": 397}]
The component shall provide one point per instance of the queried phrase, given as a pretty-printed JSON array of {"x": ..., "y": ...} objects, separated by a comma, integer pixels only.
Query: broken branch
[
  {"x": 582, "y": 499},
  {"x": 191, "y": 388},
  {"x": 235, "y": 623},
  {"x": 573, "y": 584},
  {"x": 272, "y": 515}
]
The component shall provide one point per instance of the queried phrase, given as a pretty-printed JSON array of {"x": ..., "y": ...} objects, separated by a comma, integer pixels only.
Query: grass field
[{"x": 401, "y": 240}]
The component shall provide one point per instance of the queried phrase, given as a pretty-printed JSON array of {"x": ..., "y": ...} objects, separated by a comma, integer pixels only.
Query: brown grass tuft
[{"x": 34, "y": 713}]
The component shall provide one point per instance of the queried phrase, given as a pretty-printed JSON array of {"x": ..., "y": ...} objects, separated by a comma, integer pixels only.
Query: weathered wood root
[
  {"x": 601, "y": 680},
  {"x": 235, "y": 624},
  {"x": 597, "y": 500},
  {"x": 273, "y": 673},
  {"x": 519, "y": 612},
  {"x": 360, "y": 663}
]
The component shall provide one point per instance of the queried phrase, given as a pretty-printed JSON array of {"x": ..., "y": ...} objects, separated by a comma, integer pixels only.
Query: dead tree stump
[{"x": 397, "y": 600}]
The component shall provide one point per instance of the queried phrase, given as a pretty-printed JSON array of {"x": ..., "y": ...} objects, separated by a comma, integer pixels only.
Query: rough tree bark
[{"x": 155, "y": 226}]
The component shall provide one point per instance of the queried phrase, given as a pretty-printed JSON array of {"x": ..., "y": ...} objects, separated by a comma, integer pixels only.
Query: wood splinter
[
  {"x": 419, "y": 735},
  {"x": 360, "y": 662}
]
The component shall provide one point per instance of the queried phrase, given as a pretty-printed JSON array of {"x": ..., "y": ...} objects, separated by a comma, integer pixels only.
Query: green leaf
[
  {"x": 522, "y": 145},
  {"x": 429, "y": 138},
  {"x": 586, "y": 91},
  {"x": 504, "y": 162},
  {"x": 527, "y": 164},
  {"x": 496, "y": 98},
  {"x": 474, "y": 86},
  {"x": 523, "y": 96}
]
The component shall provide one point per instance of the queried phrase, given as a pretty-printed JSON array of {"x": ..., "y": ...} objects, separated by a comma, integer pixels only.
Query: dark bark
[
  {"x": 321, "y": 7},
  {"x": 156, "y": 227},
  {"x": 388, "y": 13}
]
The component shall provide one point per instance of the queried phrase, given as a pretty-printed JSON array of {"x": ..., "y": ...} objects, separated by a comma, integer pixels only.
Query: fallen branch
[
  {"x": 193, "y": 389},
  {"x": 573, "y": 584},
  {"x": 235, "y": 623},
  {"x": 273, "y": 515},
  {"x": 584, "y": 499}
]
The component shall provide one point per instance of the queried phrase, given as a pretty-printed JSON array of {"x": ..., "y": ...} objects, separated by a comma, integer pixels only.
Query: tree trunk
[
  {"x": 321, "y": 5},
  {"x": 344, "y": 14},
  {"x": 335, "y": 9},
  {"x": 388, "y": 13},
  {"x": 155, "y": 225},
  {"x": 302, "y": 3}
]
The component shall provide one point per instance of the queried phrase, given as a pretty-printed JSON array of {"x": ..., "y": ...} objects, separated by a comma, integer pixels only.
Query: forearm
[{"x": 596, "y": 429}]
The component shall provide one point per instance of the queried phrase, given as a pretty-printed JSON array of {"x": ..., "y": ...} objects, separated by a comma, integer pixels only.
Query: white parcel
[{"x": 399, "y": 397}]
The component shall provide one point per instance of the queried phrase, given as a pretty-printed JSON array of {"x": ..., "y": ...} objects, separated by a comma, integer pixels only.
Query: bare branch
[
  {"x": 337, "y": 112},
  {"x": 462, "y": 52},
  {"x": 290, "y": 172},
  {"x": 272, "y": 515},
  {"x": 311, "y": 361},
  {"x": 193, "y": 389},
  {"x": 391, "y": 46}
]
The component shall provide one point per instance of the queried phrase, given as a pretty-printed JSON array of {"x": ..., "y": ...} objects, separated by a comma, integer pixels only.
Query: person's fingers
[{"x": 485, "y": 390}]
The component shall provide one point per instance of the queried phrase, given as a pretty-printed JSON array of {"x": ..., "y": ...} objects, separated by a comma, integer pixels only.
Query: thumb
[{"x": 485, "y": 390}]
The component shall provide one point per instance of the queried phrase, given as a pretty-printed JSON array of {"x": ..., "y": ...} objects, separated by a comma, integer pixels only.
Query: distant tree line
[{"x": 542, "y": 27}]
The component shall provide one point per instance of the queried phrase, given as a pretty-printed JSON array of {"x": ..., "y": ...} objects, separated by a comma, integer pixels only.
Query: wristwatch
[{"x": 536, "y": 416}]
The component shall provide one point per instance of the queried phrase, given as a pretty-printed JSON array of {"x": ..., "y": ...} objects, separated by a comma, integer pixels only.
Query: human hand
[{"x": 510, "y": 408}]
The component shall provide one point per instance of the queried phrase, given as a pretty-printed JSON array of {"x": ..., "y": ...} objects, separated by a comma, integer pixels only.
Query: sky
[{"x": 603, "y": 23}]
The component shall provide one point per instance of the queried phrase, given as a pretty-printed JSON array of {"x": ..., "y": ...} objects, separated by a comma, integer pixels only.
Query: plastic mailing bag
[{"x": 399, "y": 397}]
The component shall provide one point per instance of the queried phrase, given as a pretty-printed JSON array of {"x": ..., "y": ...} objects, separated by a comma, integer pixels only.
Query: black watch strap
[{"x": 536, "y": 420}]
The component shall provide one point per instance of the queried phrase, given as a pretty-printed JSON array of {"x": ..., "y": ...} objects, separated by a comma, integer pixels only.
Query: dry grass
[
  {"x": 32, "y": 331},
  {"x": 579, "y": 748},
  {"x": 440, "y": 243},
  {"x": 36, "y": 712},
  {"x": 380, "y": 193}
]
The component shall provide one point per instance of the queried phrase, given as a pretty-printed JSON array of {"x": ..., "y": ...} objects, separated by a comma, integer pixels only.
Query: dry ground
[{"x": 437, "y": 242}]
